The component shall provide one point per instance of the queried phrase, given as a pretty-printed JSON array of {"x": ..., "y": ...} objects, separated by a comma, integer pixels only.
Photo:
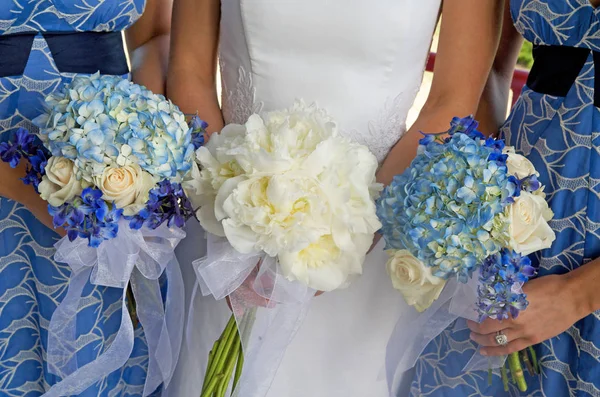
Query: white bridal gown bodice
[{"x": 363, "y": 61}]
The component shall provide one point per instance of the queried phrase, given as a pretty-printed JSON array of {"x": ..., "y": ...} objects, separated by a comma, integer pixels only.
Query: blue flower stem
[{"x": 516, "y": 370}]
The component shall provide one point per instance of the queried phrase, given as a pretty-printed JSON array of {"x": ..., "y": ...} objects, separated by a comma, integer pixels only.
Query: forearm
[
  {"x": 191, "y": 81},
  {"x": 494, "y": 100},
  {"x": 14, "y": 189},
  {"x": 193, "y": 94},
  {"x": 149, "y": 64},
  {"x": 435, "y": 117}
]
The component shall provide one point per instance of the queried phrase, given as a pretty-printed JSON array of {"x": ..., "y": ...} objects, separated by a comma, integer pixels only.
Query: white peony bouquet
[{"x": 287, "y": 189}]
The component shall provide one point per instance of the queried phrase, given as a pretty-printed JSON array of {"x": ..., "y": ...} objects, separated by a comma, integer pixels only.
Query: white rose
[
  {"x": 127, "y": 186},
  {"x": 323, "y": 265},
  {"x": 528, "y": 229},
  {"x": 60, "y": 184},
  {"x": 414, "y": 280},
  {"x": 272, "y": 214},
  {"x": 518, "y": 165}
]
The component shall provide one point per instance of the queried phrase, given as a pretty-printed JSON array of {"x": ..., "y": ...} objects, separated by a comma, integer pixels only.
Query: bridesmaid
[
  {"x": 43, "y": 44},
  {"x": 556, "y": 124}
]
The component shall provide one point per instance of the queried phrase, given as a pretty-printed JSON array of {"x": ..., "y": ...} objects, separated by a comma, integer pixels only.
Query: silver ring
[{"x": 501, "y": 339}]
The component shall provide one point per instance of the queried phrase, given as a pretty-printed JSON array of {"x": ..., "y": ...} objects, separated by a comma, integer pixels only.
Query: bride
[{"x": 363, "y": 61}]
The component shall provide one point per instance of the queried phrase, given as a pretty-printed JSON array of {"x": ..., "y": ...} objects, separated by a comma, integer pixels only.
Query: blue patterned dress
[
  {"x": 560, "y": 134},
  {"x": 31, "y": 283}
]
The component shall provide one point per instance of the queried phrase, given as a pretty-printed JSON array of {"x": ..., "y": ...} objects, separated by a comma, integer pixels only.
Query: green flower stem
[
  {"x": 131, "y": 306},
  {"x": 230, "y": 364},
  {"x": 211, "y": 358},
  {"x": 220, "y": 346},
  {"x": 490, "y": 376},
  {"x": 238, "y": 369},
  {"x": 246, "y": 325},
  {"x": 514, "y": 363},
  {"x": 211, "y": 386},
  {"x": 219, "y": 363},
  {"x": 534, "y": 360},
  {"x": 527, "y": 362},
  {"x": 504, "y": 377},
  {"x": 221, "y": 388}
]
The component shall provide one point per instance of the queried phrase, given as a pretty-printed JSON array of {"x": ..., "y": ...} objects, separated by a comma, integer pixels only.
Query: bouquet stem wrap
[
  {"x": 253, "y": 284},
  {"x": 137, "y": 258},
  {"x": 415, "y": 331}
]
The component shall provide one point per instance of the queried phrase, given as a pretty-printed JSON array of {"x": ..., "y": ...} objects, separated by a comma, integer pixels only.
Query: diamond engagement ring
[{"x": 501, "y": 339}]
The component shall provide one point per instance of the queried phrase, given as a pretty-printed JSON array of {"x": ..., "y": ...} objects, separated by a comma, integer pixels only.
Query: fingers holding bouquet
[{"x": 553, "y": 308}]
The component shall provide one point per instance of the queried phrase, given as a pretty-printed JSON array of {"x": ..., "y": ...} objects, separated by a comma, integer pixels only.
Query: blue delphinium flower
[
  {"x": 198, "y": 131},
  {"x": 500, "y": 291},
  {"x": 167, "y": 203},
  {"x": 88, "y": 216},
  {"x": 447, "y": 207},
  {"x": 24, "y": 146}
]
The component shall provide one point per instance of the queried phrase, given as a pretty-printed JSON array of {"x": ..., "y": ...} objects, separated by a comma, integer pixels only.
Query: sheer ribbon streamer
[
  {"x": 269, "y": 309},
  {"x": 414, "y": 331},
  {"x": 137, "y": 258}
]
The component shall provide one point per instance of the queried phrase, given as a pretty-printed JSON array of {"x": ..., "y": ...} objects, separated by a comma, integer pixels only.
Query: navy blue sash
[
  {"x": 81, "y": 52},
  {"x": 556, "y": 68}
]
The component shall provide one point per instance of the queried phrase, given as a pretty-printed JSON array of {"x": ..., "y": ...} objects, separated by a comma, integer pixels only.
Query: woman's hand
[
  {"x": 13, "y": 188},
  {"x": 554, "y": 306}
]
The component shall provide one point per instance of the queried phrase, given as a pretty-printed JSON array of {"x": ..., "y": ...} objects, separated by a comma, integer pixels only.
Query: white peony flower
[
  {"x": 323, "y": 265},
  {"x": 60, "y": 184},
  {"x": 273, "y": 214},
  {"x": 346, "y": 173},
  {"x": 127, "y": 186},
  {"x": 280, "y": 140},
  {"x": 518, "y": 165},
  {"x": 528, "y": 224},
  {"x": 217, "y": 166},
  {"x": 414, "y": 280}
]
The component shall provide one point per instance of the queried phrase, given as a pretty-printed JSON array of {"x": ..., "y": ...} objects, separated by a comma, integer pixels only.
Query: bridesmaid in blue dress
[
  {"x": 556, "y": 124},
  {"x": 43, "y": 44}
]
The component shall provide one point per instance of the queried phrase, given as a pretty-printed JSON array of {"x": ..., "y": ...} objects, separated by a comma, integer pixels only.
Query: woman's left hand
[{"x": 553, "y": 308}]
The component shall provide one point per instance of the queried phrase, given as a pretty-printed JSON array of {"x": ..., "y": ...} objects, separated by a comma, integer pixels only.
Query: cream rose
[
  {"x": 518, "y": 165},
  {"x": 127, "y": 186},
  {"x": 414, "y": 280},
  {"x": 529, "y": 230},
  {"x": 60, "y": 183}
]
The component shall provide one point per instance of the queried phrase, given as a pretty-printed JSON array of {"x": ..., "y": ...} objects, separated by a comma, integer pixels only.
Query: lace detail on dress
[
  {"x": 240, "y": 102},
  {"x": 385, "y": 130},
  {"x": 380, "y": 135}
]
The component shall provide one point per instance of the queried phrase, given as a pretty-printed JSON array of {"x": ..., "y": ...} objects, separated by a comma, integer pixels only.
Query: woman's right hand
[{"x": 14, "y": 189}]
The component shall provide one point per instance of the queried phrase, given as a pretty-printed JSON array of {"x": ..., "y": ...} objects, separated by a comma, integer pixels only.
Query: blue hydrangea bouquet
[
  {"x": 111, "y": 161},
  {"x": 466, "y": 204}
]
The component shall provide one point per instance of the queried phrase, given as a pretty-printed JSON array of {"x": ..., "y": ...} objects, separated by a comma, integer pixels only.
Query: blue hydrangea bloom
[
  {"x": 105, "y": 120},
  {"x": 447, "y": 208}
]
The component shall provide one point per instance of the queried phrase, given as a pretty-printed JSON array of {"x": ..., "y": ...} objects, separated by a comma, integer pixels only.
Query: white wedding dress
[{"x": 363, "y": 61}]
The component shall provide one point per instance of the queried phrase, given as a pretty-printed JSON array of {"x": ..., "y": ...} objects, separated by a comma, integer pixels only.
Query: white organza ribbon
[
  {"x": 136, "y": 257},
  {"x": 269, "y": 309},
  {"x": 414, "y": 331}
]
